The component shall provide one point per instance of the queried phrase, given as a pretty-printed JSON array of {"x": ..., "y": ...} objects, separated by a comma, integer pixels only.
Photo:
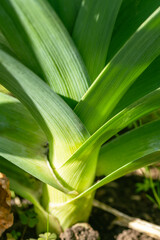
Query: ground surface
[{"x": 121, "y": 195}]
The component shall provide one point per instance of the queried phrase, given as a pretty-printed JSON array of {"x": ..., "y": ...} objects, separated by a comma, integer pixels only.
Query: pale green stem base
[{"x": 70, "y": 213}]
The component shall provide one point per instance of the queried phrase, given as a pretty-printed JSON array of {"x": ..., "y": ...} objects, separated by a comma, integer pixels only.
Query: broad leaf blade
[
  {"x": 93, "y": 30},
  {"x": 64, "y": 130},
  {"x": 47, "y": 42},
  {"x": 133, "y": 145},
  {"x": 54, "y": 116},
  {"x": 22, "y": 142},
  {"x": 110, "y": 86},
  {"x": 31, "y": 160}
]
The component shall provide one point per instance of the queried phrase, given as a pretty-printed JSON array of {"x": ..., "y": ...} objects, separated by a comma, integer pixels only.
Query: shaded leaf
[
  {"x": 67, "y": 13},
  {"x": 93, "y": 30},
  {"x": 131, "y": 15}
]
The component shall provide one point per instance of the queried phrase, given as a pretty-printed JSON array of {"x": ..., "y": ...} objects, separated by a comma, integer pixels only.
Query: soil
[
  {"x": 80, "y": 231},
  {"x": 121, "y": 195}
]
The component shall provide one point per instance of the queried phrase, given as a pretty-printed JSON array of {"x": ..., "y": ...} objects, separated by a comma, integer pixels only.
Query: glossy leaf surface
[
  {"x": 41, "y": 42},
  {"x": 113, "y": 82}
]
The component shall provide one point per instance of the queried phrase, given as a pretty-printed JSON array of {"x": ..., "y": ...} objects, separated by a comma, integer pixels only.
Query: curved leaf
[
  {"x": 64, "y": 130},
  {"x": 39, "y": 38},
  {"x": 119, "y": 156},
  {"x": 62, "y": 127},
  {"x": 113, "y": 82},
  {"x": 148, "y": 81},
  {"x": 133, "y": 145},
  {"x": 22, "y": 142},
  {"x": 129, "y": 167},
  {"x": 131, "y": 15},
  {"x": 92, "y": 146}
]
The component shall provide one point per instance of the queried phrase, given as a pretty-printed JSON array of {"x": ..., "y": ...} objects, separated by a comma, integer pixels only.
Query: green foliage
[
  {"x": 68, "y": 104},
  {"x": 46, "y": 236},
  {"x": 13, "y": 235},
  {"x": 28, "y": 217},
  {"x": 150, "y": 184}
]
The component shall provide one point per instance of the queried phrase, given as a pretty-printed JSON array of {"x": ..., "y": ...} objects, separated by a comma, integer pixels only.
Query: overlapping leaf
[
  {"x": 54, "y": 116},
  {"x": 42, "y": 43},
  {"x": 140, "y": 108},
  {"x": 131, "y": 15},
  {"x": 67, "y": 13},
  {"x": 113, "y": 82},
  {"x": 148, "y": 81},
  {"x": 22, "y": 142},
  {"x": 133, "y": 145},
  {"x": 148, "y": 152}
]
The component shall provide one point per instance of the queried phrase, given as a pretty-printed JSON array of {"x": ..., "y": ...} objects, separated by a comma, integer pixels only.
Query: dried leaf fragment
[{"x": 6, "y": 217}]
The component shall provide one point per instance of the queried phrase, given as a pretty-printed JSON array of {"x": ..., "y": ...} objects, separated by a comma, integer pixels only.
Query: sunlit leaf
[
  {"x": 133, "y": 145},
  {"x": 120, "y": 73},
  {"x": 42, "y": 43}
]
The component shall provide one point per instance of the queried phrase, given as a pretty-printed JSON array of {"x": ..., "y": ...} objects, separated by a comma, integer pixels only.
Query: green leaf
[
  {"x": 129, "y": 167},
  {"x": 148, "y": 81},
  {"x": 67, "y": 14},
  {"x": 90, "y": 149},
  {"x": 16, "y": 36},
  {"x": 17, "y": 124},
  {"x": 22, "y": 141},
  {"x": 93, "y": 30},
  {"x": 31, "y": 160},
  {"x": 3, "y": 40},
  {"x": 47, "y": 236},
  {"x": 37, "y": 35},
  {"x": 129, "y": 147},
  {"x": 131, "y": 15},
  {"x": 113, "y": 82},
  {"x": 64, "y": 130}
]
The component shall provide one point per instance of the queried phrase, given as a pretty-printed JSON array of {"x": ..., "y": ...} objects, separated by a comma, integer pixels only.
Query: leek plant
[{"x": 79, "y": 72}]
